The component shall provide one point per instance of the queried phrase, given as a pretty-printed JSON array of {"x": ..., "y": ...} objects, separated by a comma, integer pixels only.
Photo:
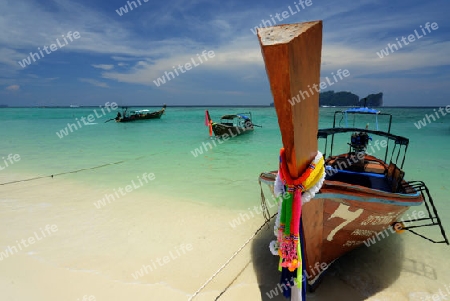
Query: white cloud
[
  {"x": 94, "y": 82},
  {"x": 13, "y": 88},
  {"x": 104, "y": 67}
]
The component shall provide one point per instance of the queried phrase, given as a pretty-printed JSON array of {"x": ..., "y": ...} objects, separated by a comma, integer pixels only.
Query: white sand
[{"x": 95, "y": 251}]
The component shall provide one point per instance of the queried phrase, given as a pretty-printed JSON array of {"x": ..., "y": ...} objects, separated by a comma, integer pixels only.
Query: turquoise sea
[
  {"x": 165, "y": 148},
  {"x": 106, "y": 156}
]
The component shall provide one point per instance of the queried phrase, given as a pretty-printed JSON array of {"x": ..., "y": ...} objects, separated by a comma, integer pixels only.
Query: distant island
[{"x": 348, "y": 99}]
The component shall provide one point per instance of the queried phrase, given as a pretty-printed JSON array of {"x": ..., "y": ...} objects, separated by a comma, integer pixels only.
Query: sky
[{"x": 98, "y": 51}]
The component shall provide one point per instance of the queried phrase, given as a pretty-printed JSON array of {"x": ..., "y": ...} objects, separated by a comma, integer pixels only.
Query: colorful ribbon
[{"x": 288, "y": 239}]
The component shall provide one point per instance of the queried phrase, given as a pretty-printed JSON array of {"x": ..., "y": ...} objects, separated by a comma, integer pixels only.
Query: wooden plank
[{"x": 292, "y": 55}]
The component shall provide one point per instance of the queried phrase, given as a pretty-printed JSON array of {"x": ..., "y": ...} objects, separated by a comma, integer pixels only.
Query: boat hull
[
  {"x": 153, "y": 115},
  {"x": 221, "y": 130},
  {"x": 342, "y": 217}
]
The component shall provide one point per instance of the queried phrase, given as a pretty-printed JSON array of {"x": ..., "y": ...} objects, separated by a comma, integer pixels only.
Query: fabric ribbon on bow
[{"x": 291, "y": 209}]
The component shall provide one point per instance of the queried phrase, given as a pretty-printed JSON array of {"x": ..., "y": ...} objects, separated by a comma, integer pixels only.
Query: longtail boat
[
  {"x": 138, "y": 115},
  {"x": 342, "y": 200},
  {"x": 230, "y": 125}
]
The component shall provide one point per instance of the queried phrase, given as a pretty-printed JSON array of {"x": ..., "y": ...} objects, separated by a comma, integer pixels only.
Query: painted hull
[
  {"x": 221, "y": 130},
  {"x": 343, "y": 216},
  {"x": 136, "y": 117}
]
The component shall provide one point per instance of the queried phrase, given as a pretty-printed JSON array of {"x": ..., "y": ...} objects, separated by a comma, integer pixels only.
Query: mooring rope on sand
[
  {"x": 229, "y": 260},
  {"x": 62, "y": 173},
  {"x": 232, "y": 281}
]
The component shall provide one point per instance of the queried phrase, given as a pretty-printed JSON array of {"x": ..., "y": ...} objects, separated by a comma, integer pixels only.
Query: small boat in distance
[
  {"x": 230, "y": 125},
  {"x": 138, "y": 115}
]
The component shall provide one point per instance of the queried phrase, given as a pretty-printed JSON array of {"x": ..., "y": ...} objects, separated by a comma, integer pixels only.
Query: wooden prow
[
  {"x": 208, "y": 122},
  {"x": 292, "y": 55}
]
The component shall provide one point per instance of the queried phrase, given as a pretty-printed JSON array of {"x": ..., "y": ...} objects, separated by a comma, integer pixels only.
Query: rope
[
  {"x": 232, "y": 281},
  {"x": 62, "y": 173},
  {"x": 265, "y": 209},
  {"x": 229, "y": 260}
]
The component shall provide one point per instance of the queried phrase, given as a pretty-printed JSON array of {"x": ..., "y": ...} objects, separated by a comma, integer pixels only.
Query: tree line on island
[{"x": 348, "y": 99}]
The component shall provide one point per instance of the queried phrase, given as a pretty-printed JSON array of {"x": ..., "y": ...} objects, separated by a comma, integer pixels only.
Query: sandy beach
[{"x": 121, "y": 252}]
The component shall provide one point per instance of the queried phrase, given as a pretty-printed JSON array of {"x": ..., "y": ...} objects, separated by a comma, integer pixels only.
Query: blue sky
[{"x": 118, "y": 58}]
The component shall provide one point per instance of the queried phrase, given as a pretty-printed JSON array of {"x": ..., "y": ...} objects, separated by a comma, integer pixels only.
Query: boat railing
[
  {"x": 395, "y": 176},
  {"x": 431, "y": 220},
  {"x": 399, "y": 148}
]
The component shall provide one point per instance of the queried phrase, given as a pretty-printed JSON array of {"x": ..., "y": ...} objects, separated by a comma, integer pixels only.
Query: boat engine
[{"x": 359, "y": 141}]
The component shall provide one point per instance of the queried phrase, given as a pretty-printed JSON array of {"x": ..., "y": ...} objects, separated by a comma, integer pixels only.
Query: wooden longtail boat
[
  {"x": 230, "y": 125},
  {"x": 139, "y": 115},
  {"x": 362, "y": 195}
]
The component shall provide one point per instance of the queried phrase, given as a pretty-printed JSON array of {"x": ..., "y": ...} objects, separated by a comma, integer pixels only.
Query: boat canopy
[
  {"x": 362, "y": 110},
  {"x": 243, "y": 116}
]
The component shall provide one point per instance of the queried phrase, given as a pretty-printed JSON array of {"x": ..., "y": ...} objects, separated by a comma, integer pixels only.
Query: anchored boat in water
[
  {"x": 230, "y": 125},
  {"x": 330, "y": 204},
  {"x": 138, "y": 115}
]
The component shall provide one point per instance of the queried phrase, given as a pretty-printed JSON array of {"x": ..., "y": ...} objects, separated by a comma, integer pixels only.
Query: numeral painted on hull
[{"x": 347, "y": 215}]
